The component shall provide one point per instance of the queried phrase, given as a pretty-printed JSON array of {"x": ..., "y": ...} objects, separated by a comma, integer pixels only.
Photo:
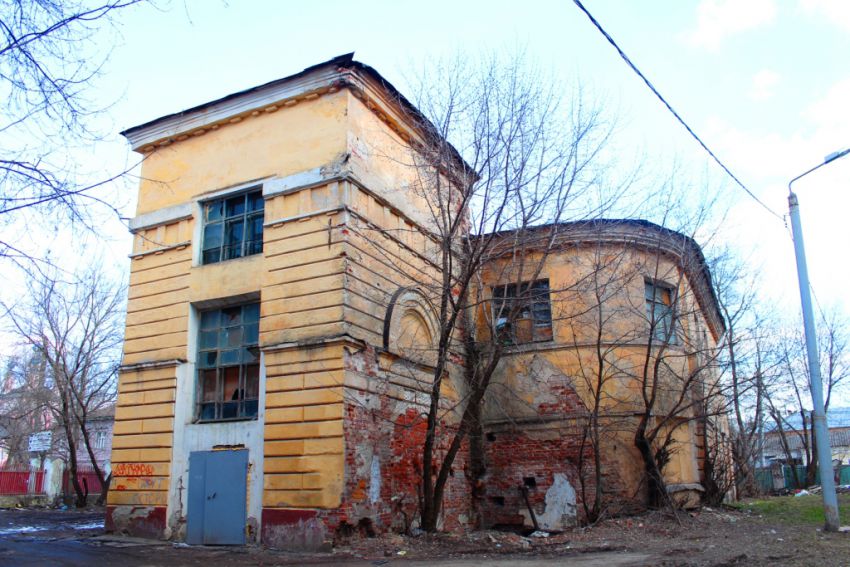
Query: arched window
[{"x": 410, "y": 326}]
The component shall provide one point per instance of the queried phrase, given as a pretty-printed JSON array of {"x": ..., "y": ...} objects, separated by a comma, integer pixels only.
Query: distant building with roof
[{"x": 798, "y": 436}]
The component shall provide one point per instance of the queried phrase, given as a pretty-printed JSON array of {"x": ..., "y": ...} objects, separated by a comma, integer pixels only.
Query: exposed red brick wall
[
  {"x": 530, "y": 454},
  {"x": 512, "y": 456},
  {"x": 384, "y": 431},
  {"x": 393, "y": 433}
]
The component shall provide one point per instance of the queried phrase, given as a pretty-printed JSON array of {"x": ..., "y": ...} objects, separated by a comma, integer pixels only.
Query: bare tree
[
  {"x": 51, "y": 53},
  {"x": 595, "y": 322},
  {"x": 645, "y": 317},
  {"x": 76, "y": 327},
  {"x": 792, "y": 397},
  {"x": 834, "y": 352},
  {"x": 499, "y": 162},
  {"x": 747, "y": 364}
]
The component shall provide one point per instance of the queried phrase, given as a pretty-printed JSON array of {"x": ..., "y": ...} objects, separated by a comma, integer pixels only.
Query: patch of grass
[{"x": 804, "y": 510}]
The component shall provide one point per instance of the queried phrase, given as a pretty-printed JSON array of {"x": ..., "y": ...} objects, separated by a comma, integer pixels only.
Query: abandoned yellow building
[{"x": 270, "y": 389}]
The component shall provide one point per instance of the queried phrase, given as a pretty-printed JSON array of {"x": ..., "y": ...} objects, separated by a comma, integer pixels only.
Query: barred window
[
  {"x": 523, "y": 313},
  {"x": 228, "y": 363},
  {"x": 233, "y": 227}
]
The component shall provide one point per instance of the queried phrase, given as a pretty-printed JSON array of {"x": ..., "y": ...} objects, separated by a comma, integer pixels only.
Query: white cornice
[
  {"x": 161, "y": 216},
  {"x": 152, "y": 365},
  {"x": 261, "y": 98}
]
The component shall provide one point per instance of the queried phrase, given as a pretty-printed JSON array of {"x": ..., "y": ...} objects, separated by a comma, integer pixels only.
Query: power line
[{"x": 670, "y": 108}]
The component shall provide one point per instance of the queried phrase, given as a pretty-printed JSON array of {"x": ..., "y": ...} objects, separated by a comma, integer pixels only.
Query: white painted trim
[
  {"x": 240, "y": 188},
  {"x": 264, "y": 97},
  {"x": 160, "y": 250},
  {"x": 190, "y": 436},
  {"x": 295, "y": 182},
  {"x": 318, "y": 213},
  {"x": 161, "y": 216},
  {"x": 197, "y": 234}
]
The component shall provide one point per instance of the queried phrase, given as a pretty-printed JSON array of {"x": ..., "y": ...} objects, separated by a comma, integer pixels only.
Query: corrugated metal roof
[{"x": 772, "y": 444}]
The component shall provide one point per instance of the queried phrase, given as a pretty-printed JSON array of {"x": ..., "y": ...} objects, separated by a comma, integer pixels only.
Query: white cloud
[
  {"x": 766, "y": 161},
  {"x": 831, "y": 111},
  {"x": 836, "y": 12},
  {"x": 763, "y": 85},
  {"x": 718, "y": 19}
]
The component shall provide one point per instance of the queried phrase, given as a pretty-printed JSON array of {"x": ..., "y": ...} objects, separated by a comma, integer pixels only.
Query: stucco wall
[{"x": 599, "y": 313}]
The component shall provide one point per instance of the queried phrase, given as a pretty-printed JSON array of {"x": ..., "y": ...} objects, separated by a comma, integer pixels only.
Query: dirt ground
[{"x": 707, "y": 537}]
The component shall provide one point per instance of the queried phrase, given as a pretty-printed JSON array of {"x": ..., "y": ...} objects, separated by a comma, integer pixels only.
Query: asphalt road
[{"x": 76, "y": 539}]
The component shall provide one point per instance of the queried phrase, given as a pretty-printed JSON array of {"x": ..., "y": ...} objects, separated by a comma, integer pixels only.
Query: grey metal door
[{"x": 217, "y": 494}]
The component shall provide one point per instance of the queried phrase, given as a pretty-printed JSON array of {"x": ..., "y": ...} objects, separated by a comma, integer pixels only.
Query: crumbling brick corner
[{"x": 139, "y": 521}]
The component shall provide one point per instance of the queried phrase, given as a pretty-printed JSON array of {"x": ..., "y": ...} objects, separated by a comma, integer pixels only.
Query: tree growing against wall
[
  {"x": 639, "y": 315},
  {"x": 677, "y": 370},
  {"x": 747, "y": 364},
  {"x": 76, "y": 328},
  {"x": 497, "y": 154},
  {"x": 594, "y": 311}
]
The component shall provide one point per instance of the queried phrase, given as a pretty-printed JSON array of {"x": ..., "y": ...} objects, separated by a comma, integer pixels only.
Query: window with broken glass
[
  {"x": 229, "y": 363},
  {"x": 659, "y": 310},
  {"x": 523, "y": 313},
  {"x": 233, "y": 227}
]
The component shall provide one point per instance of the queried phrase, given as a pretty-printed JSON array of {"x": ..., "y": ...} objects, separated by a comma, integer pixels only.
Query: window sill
[
  {"x": 230, "y": 261},
  {"x": 532, "y": 346},
  {"x": 228, "y": 420}
]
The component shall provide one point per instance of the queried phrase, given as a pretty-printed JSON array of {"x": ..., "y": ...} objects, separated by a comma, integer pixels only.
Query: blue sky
[{"x": 766, "y": 83}]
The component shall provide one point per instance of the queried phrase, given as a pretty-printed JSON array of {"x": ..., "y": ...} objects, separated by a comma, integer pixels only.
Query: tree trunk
[
  {"x": 104, "y": 490},
  {"x": 812, "y": 466},
  {"x": 656, "y": 489}
]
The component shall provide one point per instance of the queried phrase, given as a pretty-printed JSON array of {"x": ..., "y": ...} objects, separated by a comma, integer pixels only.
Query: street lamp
[{"x": 830, "y": 501}]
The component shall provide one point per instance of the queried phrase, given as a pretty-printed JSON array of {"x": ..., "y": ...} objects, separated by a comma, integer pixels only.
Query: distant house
[
  {"x": 22, "y": 412},
  {"x": 798, "y": 436},
  {"x": 100, "y": 426}
]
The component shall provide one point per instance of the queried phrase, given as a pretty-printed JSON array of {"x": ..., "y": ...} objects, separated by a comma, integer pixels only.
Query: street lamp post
[{"x": 824, "y": 450}]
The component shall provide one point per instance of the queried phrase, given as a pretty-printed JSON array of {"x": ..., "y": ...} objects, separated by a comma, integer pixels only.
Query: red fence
[
  {"x": 21, "y": 482},
  {"x": 86, "y": 477}
]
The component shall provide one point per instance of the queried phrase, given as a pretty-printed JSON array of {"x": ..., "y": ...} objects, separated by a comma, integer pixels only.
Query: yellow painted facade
[
  {"x": 601, "y": 349},
  {"x": 324, "y": 150},
  {"x": 344, "y": 254}
]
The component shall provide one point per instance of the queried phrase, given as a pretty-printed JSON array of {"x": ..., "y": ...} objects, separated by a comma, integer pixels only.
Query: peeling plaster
[
  {"x": 375, "y": 480},
  {"x": 520, "y": 388},
  {"x": 560, "y": 511}
]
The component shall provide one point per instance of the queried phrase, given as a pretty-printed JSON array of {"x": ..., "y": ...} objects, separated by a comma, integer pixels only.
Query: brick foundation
[
  {"x": 293, "y": 529},
  {"x": 138, "y": 521}
]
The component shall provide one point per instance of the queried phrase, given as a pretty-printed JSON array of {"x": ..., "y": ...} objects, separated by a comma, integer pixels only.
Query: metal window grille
[
  {"x": 228, "y": 363},
  {"x": 233, "y": 227}
]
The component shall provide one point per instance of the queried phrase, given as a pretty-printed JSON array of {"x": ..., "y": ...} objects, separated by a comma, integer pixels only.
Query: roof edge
[
  {"x": 310, "y": 79},
  {"x": 589, "y": 230}
]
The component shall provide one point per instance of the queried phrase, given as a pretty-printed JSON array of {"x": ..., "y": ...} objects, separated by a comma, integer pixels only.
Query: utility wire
[{"x": 670, "y": 108}]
